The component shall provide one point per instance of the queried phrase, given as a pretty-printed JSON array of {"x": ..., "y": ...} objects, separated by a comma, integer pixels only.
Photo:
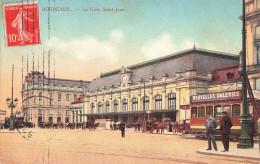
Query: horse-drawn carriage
[
  {"x": 151, "y": 126},
  {"x": 91, "y": 125}
]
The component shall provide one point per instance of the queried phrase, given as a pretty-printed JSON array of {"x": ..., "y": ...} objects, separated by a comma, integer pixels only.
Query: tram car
[{"x": 214, "y": 104}]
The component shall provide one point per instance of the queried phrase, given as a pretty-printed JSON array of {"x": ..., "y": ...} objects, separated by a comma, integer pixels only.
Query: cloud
[
  {"x": 116, "y": 35},
  {"x": 89, "y": 48},
  {"x": 158, "y": 47}
]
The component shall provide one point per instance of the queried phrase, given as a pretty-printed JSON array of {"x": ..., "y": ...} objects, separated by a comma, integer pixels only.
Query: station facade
[{"x": 154, "y": 89}]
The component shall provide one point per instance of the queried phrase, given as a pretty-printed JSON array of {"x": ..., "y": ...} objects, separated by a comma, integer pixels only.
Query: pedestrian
[
  {"x": 135, "y": 127},
  {"x": 114, "y": 125},
  {"x": 225, "y": 127},
  {"x": 211, "y": 125},
  {"x": 138, "y": 126},
  {"x": 122, "y": 128},
  {"x": 111, "y": 127},
  {"x": 252, "y": 130}
]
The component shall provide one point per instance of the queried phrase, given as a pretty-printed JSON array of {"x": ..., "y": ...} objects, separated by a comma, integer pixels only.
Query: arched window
[
  {"x": 115, "y": 106},
  {"x": 236, "y": 110},
  {"x": 135, "y": 104},
  {"x": 100, "y": 107},
  {"x": 107, "y": 106},
  {"x": 40, "y": 98},
  {"x": 92, "y": 108},
  {"x": 158, "y": 102},
  {"x": 146, "y": 103},
  {"x": 125, "y": 105},
  {"x": 172, "y": 101}
]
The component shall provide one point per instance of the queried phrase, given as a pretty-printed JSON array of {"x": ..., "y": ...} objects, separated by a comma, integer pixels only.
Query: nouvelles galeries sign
[{"x": 216, "y": 96}]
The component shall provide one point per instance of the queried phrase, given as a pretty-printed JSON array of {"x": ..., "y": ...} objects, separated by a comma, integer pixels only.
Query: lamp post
[
  {"x": 244, "y": 139},
  {"x": 13, "y": 103}
]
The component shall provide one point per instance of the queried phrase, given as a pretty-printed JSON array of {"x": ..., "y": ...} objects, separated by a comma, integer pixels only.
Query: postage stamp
[{"x": 22, "y": 24}]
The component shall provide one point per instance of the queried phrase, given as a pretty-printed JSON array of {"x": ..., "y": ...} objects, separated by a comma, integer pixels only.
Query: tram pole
[{"x": 244, "y": 139}]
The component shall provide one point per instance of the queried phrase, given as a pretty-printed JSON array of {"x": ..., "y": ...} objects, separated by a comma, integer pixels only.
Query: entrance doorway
[{"x": 39, "y": 119}]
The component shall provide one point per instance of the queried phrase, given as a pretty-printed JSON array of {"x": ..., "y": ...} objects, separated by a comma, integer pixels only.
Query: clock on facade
[{"x": 124, "y": 80}]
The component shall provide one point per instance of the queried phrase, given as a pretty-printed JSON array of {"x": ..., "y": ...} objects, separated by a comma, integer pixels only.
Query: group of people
[
  {"x": 121, "y": 128},
  {"x": 225, "y": 126}
]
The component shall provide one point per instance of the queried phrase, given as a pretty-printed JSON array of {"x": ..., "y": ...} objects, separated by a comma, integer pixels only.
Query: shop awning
[{"x": 130, "y": 112}]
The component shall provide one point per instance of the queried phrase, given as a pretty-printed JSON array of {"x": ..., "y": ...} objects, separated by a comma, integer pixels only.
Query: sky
[{"x": 86, "y": 43}]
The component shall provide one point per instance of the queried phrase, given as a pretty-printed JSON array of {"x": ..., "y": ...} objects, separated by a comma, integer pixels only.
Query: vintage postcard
[{"x": 129, "y": 81}]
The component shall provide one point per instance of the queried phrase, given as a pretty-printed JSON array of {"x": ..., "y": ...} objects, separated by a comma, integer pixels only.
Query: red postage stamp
[{"x": 22, "y": 24}]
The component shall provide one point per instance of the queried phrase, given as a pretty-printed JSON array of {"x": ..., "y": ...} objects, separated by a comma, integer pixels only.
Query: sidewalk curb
[{"x": 229, "y": 155}]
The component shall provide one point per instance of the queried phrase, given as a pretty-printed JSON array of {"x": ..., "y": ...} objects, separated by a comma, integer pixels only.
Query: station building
[
  {"x": 50, "y": 99},
  {"x": 154, "y": 89}
]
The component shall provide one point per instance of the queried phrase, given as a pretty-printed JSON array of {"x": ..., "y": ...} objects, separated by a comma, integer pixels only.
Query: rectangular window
[
  {"x": 59, "y": 99},
  {"x": 115, "y": 106},
  {"x": 236, "y": 110},
  {"x": 194, "y": 112},
  {"x": 125, "y": 105},
  {"x": 77, "y": 116},
  {"x": 67, "y": 99},
  {"x": 227, "y": 108},
  {"x": 158, "y": 102},
  {"x": 55, "y": 86},
  {"x": 92, "y": 108},
  {"x": 71, "y": 88},
  {"x": 75, "y": 97},
  {"x": 217, "y": 111},
  {"x": 146, "y": 103},
  {"x": 172, "y": 101},
  {"x": 67, "y": 112},
  {"x": 50, "y": 99},
  {"x": 59, "y": 112},
  {"x": 100, "y": 107},
  {"x": 58, "y": 119},
  {"x": 201, "y": 111},
  {"x": 135, "y": 104},
  {"x": 209, "y": 110},
  {"x": 79, "y": 88},
  {"x": 257, "y": 84},
  {"x": 80, "y": 115},
  {"x": 107, "y": 106},
  {"x": 63, "y": 88},
  {"x": 45, "y": 86},
  {"x": 50, "y": 112},
  {"x": 67, "y": 119},
  {"x": 51, "y": 119}
]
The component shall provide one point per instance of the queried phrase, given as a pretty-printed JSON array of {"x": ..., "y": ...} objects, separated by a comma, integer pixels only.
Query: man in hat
[
  {"x": 211, "y": 125},
  {"x": 122, "y": 128},
  {"x": 225, "y": 131}
]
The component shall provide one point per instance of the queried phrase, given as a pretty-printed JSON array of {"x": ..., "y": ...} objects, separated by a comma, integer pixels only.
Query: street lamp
[
  {"x": 12, "y": 104},
  {"x": 244, "y": 139}
]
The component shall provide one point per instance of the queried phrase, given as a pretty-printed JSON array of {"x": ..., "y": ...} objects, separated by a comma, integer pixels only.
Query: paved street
[{"x": 84, "y": 146}]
